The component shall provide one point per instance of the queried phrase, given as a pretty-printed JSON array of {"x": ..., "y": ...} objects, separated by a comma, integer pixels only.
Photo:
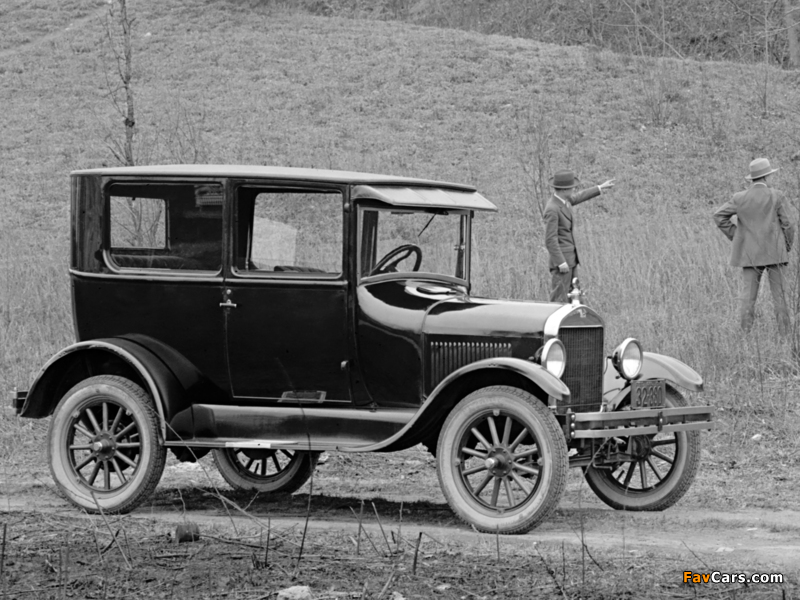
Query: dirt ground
[
  {"x": 407, "y": 528},
  {"x": 755, "y": 536}
]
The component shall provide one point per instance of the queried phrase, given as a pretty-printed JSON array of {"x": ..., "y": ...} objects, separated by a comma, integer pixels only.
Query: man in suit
[
  {"x": 762, "y": 239},
  {"x": 558, "y": 236}
]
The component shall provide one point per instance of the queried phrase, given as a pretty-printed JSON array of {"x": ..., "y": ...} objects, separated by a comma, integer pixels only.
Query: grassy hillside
[{"x": 223, "y": 82}]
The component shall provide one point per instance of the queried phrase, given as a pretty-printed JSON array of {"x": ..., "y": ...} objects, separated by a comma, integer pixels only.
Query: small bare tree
[
  {"x": 791, "y": 19},
  {"x": 121, "y": 94}
]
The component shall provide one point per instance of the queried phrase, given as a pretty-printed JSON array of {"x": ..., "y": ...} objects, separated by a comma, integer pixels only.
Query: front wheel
[
  {"x": 502, "y": 460},
  {"x": 103, "y": 445},
  {"x": 660, "y": 472},
  {"x": 265, "y": 470}
]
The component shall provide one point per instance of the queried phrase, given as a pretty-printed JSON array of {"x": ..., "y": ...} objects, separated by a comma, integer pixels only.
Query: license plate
[{"x": 648, "y": 394}]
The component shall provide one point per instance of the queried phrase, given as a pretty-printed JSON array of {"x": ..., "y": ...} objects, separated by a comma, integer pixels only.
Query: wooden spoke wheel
[
  {"x": 265, "y": 469},
  {"x": 502, "y": 460},
  {"x": 660, "y": 472},
  {"x": 103, "y": 446}
]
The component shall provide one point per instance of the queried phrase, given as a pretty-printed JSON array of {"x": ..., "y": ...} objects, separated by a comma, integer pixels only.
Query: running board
[
  {"x": 316, "y": 445},
  {"x": 221, "y": 426}
]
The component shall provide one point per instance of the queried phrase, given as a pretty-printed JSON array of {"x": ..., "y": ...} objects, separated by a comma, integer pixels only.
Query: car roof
[{"x": 408, "y": 192}]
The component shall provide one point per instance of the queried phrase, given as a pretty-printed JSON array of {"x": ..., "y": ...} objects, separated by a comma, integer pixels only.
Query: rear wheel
[
  {"x": 265, "y": 470},
  {"x": 662, "y": 468},
  {"x": 502, "y": 460},
  {"x": 103, "y": 445}
]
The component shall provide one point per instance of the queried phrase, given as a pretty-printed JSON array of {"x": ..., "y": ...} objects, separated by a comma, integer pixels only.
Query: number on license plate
[{"x": 648, "y": 394}]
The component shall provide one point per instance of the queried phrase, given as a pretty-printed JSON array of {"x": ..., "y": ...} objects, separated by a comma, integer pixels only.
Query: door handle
[{"x": 227, "y": 304}]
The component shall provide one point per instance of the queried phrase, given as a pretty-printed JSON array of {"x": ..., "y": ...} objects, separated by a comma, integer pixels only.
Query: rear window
[{"x": 165, "y": 227}]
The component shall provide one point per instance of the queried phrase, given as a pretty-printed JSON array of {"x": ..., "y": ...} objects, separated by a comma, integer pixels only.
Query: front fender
[
  {"x": 432, "y": 409},
  {"x": 654, "y": 366},
  {"x": 537, "y": 374}
]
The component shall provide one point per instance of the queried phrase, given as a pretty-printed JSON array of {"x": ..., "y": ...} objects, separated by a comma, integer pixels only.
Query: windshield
[{"x": 406, "y": 241}]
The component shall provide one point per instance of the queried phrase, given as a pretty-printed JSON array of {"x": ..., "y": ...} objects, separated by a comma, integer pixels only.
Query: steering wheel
[{"x": 399, "y": 254}]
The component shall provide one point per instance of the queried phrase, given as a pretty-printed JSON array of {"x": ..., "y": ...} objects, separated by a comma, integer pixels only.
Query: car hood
[
  {"x": 487, "y": 317},
  {"x": 441, "y": 309}
]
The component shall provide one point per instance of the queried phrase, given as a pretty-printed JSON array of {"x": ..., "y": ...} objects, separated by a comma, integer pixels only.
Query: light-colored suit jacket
[
  {"x": 558, "y": 224},
  {"x": 763, "y": 233}
]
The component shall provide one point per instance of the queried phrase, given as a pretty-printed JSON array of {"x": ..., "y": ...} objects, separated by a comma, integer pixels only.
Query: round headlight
[
  {"x": 554, "y": 357},
  {"x": 627, "y": 358}
]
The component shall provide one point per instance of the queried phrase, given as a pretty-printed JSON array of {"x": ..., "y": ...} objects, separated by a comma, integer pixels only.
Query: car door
[
  {"x": 285, "y": 298},
  {"x": 162, "y": 270}
]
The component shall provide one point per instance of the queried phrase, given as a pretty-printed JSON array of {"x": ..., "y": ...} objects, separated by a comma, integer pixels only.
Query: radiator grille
[
  {"x": 584, "y": 373},
  {"x": 446, "y": 357}
]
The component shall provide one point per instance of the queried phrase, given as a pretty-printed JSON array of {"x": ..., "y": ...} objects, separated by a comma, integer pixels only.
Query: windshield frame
[{"x": 464, "y": 243}]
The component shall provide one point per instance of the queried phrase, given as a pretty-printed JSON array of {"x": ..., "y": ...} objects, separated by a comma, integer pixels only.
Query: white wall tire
[
  {"x": 103, "y": 445},
  {"x": 265, "y": 470},
  {"x": 502, "y": 460},
  {"x": 663, "y": 473}
]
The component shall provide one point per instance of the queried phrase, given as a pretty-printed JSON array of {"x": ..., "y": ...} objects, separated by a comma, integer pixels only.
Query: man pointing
[{"x": 558, "y": 221}]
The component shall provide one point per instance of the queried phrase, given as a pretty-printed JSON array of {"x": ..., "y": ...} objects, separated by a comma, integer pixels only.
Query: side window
[
  {"x": 285, "y": 233},
  {"x": 138, "y": 222},
  {"x": 158, "y": 226}
]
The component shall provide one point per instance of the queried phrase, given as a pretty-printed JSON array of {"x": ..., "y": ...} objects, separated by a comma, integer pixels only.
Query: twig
[
  {"x": 427, "y": 535},
  {"x": 253, "y": 499},
  {"x": 551, "y": 573},
  {"x": 107, "y": 547},
  {"x": 218, "y": 495},
  {"x": 97, "y": 545},
  {"x": 228, "y": 501},
  {"x": 695, "y": 555},
  {"x": 360, "y": 517},
  {"x": 308, "y": 509},
  {"x": 266, "y": 550},
  {"x": 233, "y": 542},
  {"x": 127, "y": 543},
  {"x": 34, "y": 591},
  {"x": 386, "y": 585},
  {"x": 64, "y": 567},
  {"x": 581, "y": 537},
  {"x": 416, "y": 553},
  {"x": 102, "y": 514},
  {"x": 3, "y": 552},
  {"x": 303, "y": 539},
  {"x": 497, "y": 541},
  {"x": 385, "y": 539},
  {"x": 400, "y": 528},
  {"x": 369, "y": 539}
]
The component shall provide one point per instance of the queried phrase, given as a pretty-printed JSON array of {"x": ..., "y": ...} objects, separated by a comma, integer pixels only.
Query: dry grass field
[{"x": 232, "y": 82}]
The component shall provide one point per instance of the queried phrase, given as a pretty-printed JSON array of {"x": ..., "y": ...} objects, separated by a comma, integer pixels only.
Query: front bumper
[{"x": 648, "y": 421}]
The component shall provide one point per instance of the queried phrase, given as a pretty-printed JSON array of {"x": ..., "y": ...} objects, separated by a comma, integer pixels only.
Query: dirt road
[{"x": 703, "y": 536}]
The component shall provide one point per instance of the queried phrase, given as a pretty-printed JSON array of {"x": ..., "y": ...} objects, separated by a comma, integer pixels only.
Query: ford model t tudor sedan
[{"x": 270, "y": 314}]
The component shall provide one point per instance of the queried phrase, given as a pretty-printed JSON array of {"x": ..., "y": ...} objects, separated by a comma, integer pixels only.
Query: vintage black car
[{"x": 270, "y": 314}]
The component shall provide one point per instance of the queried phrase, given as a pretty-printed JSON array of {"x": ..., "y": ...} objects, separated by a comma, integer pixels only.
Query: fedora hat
[
  {"x": 760, "y": 167},
  {"x": 564, "y": 180}
]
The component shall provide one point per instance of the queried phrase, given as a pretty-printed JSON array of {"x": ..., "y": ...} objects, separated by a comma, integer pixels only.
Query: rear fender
[
  {"x": 654, "y": 366},
  {"x": 172, "y": 381},
  {"x": 483, "y": 373}
]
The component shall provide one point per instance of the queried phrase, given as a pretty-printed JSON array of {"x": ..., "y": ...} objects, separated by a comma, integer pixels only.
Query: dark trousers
[
  {"x": 751, "y": 278},
  {"x": 561, "y": 284}
]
